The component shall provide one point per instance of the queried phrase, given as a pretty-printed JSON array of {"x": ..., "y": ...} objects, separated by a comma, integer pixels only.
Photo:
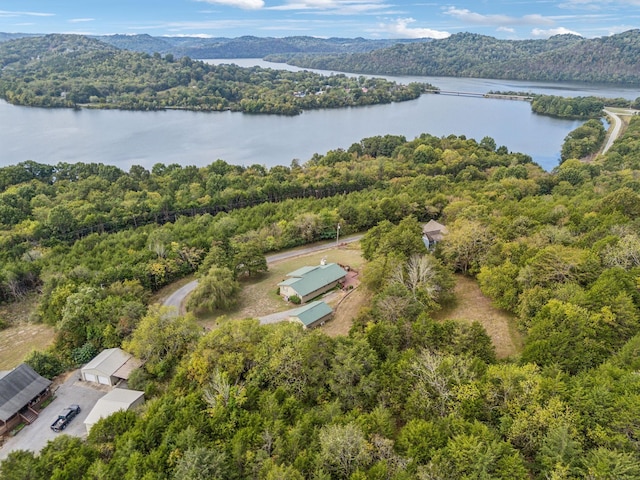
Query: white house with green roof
[
  {"x": 309, "y": 282},
  {"x": 312, "y": 314}
]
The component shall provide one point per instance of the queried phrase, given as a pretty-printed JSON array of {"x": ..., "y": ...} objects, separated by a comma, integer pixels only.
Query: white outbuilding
[
  {"x": 114, "y": 401},
  {"x": 109, "y": 367}
]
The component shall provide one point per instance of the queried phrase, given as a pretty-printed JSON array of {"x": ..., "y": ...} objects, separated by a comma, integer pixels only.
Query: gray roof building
[
  {"x": 434, "y": 231},
  {"x": 114, "y": 401},
  {"x": 18, "y": 388},
  {"x": 109, "y": 367}
]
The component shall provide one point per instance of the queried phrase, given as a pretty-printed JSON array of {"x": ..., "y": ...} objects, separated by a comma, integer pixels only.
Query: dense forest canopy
[
  {"x": 611, "y": 59},
  {"x": 402, "y": 396},
  {"x": 70, "y": 70}
]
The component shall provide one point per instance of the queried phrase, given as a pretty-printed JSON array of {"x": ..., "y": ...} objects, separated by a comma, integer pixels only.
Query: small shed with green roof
[{"x": 312, "y": 315}]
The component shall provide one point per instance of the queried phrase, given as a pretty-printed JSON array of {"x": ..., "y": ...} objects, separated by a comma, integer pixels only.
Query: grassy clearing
[
  {"x": 342, "y": 320},
  {"x": 259, "y": 297},
  {"x": 471, "y": 305},
  {"x": 21, "y": 337}
]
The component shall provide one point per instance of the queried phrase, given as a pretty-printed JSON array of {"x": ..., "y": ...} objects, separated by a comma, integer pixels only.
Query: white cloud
[
  {"x": 6, "y": 13},
  {"x": 334, "y": 7},
  {"x": 243, "y": 4},
  {"x": 538, "y": 32},
  {"x": 80, "y": 20},
  {"x": 506, "y": 29},
  {"x": 401, "y": 29},
  {"x": 496, "y": 20}
]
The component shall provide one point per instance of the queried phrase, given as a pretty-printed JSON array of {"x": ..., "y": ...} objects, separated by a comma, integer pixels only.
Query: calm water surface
[{"x": 125, "y": 138}]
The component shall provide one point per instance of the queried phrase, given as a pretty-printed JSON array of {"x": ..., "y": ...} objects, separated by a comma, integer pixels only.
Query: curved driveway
[{"x": 176, "y": 299}]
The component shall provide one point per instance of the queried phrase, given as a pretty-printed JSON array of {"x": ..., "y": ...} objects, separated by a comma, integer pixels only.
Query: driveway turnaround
[
  {"x": 176, "y": 299},
  {"x": 35, "y": 436}
]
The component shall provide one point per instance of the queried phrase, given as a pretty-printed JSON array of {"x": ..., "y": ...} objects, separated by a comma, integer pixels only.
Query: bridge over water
[{"x": 525, "y": 98}]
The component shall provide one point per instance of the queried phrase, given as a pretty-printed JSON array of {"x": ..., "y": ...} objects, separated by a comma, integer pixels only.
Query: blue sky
[{"x": 322, "y": 18}]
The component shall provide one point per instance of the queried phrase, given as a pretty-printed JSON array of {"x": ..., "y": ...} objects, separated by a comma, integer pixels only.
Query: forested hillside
[
  {"x": 402, "y": 396},
  {"x": 70, "y": 70},
  {"x": 611, "y": 59},
  {"x": 245, "y": 47},
  {"x": 239, "y": 47}
]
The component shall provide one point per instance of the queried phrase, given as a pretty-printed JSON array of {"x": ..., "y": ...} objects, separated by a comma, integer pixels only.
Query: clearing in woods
[
  {"x": 471, "y": 305},
  {"x": 259, "y": 295},
  {"x": 17, "y": 340}
]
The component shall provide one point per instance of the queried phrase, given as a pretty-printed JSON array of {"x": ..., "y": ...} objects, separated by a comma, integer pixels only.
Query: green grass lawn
[
  {"x": 471, "y": 305},
  {"x": 17, "y": 341}
]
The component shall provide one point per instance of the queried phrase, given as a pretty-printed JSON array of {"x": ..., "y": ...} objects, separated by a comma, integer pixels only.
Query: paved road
[
  {"x": 617, "y": 126},
  {"x": 176, "y": 299},
  {"x": 615, "y": 131},
  {"x": 276, "y": 317}
]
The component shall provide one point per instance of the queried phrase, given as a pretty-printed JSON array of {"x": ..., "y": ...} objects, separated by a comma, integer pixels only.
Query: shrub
[
  {"x": 45, "y": 363},
  {"x": 295, "y": 299}
]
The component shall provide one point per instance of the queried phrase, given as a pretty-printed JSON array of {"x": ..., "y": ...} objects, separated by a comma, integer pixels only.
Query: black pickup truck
[{"x": 65, "y": 417}]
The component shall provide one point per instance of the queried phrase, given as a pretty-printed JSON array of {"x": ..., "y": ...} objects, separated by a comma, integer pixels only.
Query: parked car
[{"x": 65, "y": 417}]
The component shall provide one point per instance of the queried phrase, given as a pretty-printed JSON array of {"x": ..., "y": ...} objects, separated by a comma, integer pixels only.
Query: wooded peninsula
[{"x": 73, "y": 71}]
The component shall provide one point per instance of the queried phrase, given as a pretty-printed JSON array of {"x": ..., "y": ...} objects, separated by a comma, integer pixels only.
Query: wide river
[{"x": 125, "y": 138}]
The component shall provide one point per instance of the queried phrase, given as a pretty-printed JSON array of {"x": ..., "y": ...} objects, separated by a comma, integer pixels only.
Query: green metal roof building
[
  {"x": 309, "y": 282},
  {"x": 313, "y": 314}
]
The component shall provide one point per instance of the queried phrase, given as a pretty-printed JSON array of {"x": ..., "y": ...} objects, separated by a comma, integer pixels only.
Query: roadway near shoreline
[
  {"x": 616, "y": 129},
  {"x": 177, "y": 298}
]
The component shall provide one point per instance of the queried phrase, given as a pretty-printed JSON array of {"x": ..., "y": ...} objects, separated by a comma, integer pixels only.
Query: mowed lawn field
[
  {"x": 471, "y": 305},
  {"x": 17, "y": 341}
]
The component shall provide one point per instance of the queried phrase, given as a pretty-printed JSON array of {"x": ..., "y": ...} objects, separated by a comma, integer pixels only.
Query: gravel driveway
[{"x": 35, "y": 436}]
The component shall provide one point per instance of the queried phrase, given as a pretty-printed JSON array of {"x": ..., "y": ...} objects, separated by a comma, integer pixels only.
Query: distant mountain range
[
  {"x": 613, "y": 59},
  {"x": 242, "y": 47}
]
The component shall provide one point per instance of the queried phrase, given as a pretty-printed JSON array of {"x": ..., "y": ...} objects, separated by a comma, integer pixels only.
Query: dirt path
[
  {"x": 345, "y": 312},
  {"x": 472, "y": 305}
]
